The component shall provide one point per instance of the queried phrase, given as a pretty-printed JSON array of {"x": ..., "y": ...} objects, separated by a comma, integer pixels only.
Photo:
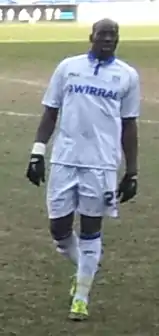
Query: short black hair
[{"x": 107, "y": 22}]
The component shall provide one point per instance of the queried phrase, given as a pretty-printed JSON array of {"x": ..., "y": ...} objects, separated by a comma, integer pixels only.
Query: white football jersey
[{"x": 93, "y": 98}]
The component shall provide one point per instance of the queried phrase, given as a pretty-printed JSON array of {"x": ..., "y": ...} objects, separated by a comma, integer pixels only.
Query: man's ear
[
  {"x": 91, "y": 38},
  {"x": 117, "y": 41}
]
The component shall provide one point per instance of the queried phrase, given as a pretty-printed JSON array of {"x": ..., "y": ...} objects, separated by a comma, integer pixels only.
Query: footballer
[{"x": 98, "y": 98}]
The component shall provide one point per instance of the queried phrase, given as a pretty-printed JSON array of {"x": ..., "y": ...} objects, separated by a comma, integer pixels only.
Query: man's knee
[
  {"x": 90, "y": 225},
  {"x": 61, "y": 228}
]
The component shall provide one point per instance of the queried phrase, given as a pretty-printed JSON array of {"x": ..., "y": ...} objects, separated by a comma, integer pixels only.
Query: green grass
[
  {"x": 68, "y": 32},
  {"x": 34, "y": 279}
]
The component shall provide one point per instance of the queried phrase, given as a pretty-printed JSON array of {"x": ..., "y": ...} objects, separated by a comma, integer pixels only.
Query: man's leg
[
  {"x": 64, "y": 237},
  {"x": 61, "y": 204},
  {"x": 90, "y": 247},
  {"x": 91, "y": 209},
  {"x": 90, "y": 254},
  {"x": 92, "y": 206}
]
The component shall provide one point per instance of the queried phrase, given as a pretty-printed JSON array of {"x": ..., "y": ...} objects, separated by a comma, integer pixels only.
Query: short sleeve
[
  {"x": 130, "y": 106},
  {"x": 54, "y": 93}
]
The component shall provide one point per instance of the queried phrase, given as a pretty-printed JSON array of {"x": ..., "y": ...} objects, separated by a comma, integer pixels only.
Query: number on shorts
[{"x": 109, "y": 197}]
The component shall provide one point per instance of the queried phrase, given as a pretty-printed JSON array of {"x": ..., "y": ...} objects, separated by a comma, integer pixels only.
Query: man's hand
[
  {"x": 127, "y": 187},
  {"x": 36, "y": 168}
]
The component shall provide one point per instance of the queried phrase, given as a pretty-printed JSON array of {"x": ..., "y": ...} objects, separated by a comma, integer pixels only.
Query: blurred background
[{"x": 81, "y": 11}]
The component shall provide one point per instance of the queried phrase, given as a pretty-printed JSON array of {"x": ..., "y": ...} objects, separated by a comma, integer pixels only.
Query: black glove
[
  {"x": 36, "y": 169},
  {"x": 127, "y": 187}
]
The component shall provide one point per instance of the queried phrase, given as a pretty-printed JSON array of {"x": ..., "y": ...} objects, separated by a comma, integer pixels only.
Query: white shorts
[{"x": 90, "y": 192}]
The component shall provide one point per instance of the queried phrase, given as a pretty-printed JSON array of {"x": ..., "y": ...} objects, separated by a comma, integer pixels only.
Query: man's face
[{"x": 104, "y": 40}]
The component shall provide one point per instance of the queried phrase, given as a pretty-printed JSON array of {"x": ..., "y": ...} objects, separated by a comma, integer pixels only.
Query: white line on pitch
[
  {"x": 18, "y": 114},
  {"x": 37, "y": 83}
]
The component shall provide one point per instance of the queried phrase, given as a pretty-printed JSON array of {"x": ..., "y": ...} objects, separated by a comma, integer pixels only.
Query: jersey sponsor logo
[{"x": 92, "y": 90}]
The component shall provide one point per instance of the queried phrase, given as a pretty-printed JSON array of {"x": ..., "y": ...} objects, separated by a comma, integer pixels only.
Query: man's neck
[{"x": 107, "y": 59}]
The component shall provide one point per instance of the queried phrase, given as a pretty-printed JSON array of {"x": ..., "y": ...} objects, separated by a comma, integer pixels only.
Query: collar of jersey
[{"x": 92, "y": 58}]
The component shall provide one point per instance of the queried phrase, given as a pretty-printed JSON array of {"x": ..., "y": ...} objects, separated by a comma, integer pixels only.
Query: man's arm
[
  {"x": 130, "y": 111},
  {"x": 47, "y": 125},
  {"x": 130, "y": 144},
  {"x": 36, "y": 168}
]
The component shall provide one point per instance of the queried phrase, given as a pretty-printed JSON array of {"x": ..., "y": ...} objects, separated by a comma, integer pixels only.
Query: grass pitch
[
  {"x": 45, "y": 32},
  {"x": 34, "y": 279}
]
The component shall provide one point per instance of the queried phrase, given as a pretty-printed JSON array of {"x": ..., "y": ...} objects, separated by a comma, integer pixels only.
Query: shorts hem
[
  {"x": 66, "y": 164},
  {"x": 62, "y": 214},
  {"x": 90, "y": 214}
]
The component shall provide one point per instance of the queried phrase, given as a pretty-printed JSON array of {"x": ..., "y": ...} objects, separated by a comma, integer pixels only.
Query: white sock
[
  {"x": 89, "y": 258},
  {"x": 69, "y": 247}
]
